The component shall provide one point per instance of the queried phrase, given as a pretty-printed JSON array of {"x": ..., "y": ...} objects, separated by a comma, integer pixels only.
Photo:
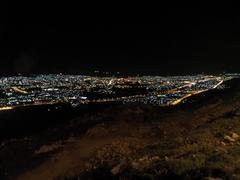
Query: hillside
[{"x": 199, "y": 140}]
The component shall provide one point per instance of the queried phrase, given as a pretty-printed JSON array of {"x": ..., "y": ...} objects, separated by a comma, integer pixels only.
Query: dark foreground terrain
[{"x": 199, "y": 140}]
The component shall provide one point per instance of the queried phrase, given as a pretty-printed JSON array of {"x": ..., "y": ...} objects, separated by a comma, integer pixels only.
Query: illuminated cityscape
[
  {"x": 82, "y": 99},
  {"x": 77, "y": 89}
]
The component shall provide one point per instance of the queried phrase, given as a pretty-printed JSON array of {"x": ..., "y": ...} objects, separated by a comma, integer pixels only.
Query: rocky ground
[{"x": 133, "y": 142}]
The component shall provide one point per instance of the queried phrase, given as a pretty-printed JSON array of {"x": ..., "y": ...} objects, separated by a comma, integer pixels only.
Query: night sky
[{"x": 180, "y": 41}]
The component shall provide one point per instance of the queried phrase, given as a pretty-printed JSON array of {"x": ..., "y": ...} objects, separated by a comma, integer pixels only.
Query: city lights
[{"x": 77, "y": 89}]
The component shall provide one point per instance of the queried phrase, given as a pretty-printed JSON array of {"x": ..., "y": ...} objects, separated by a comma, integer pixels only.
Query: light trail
[
  {"x": 176, "y": 102},
  {"x": 16, "y": 89},
  {"x": 6, "y": 108}
]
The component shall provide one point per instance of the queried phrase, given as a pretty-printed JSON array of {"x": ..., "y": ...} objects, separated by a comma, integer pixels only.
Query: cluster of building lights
[{"x": 76, "y": 89}]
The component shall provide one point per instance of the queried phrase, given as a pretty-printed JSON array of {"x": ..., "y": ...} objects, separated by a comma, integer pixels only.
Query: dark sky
[{"x": 180, "y": 41}]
